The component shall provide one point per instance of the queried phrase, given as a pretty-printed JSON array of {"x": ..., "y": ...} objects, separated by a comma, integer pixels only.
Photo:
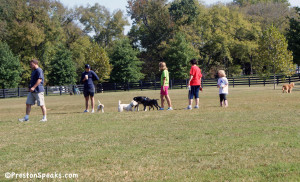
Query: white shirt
[{"x": 222, "y": 82}]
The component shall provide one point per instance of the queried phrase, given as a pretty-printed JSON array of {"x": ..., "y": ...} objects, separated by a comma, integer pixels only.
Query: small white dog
[
  {"x": 100, "y": 107},
  {"x": 127, "y": 107}
]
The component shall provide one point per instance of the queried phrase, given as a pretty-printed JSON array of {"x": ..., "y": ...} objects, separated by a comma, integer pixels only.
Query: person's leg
[
  {"x": 44, "y": 111},
  {"x": 225, "y": 100},
  {"x": 221, "y": 100},
  {"x": 226, "y": 103},
  {"x": 162, "y": 101},
  {"x": 190, "y": 102},
  {"x": 41, "y": 102},
  {"x": 197, "y": 102},
  {"x": 169, "y": 101},
  {"x": 197, "y": 89},
  {"x": 30, "y": 101},
  {"x": 92, "y": 102},
  {"x": 28, "y": 109},
  {"x": 86, "y": 103}
]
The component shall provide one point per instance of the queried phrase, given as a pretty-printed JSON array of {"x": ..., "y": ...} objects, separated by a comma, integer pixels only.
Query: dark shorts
[
  {"x": 89, "y": 92},
  {"x": 223, "y": 97},
  {"x": 194, "y": 92}
]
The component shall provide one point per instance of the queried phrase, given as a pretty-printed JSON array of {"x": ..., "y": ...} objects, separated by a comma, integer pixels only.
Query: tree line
[{"x": 242, "y": 37}]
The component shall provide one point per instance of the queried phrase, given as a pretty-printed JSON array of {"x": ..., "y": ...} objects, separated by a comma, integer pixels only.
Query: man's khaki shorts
[{"x": 39, "y": 97}]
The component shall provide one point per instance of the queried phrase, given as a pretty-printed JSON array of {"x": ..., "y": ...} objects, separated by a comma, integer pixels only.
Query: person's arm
[
  {"x": 95, "y": 76},
  {"x": 35, "y": 85},
  {"x": 226, "y": 84},
  {"x": 191, "y": 77},
  {"x": 164, "y": 81}
]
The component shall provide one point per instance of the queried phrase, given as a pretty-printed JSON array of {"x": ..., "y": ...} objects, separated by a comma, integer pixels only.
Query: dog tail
[
  {"x": 99, "y": 102},
  {"x": 119, "y": 102}
]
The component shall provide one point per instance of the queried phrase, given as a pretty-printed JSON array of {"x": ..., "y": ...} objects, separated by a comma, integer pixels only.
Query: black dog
[
  {"x": 140, "y": 100},
  {"x": 151, "y": 103},
  {"x": 146, "y": 101}
]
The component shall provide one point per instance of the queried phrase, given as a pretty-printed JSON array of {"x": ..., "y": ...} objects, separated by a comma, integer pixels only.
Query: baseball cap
[{"x": 87, "y": 66}]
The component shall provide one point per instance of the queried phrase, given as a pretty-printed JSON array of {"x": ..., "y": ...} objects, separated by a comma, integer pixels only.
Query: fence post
[
  {"x": 60, "y": 89},
  {"x": 249, "y": 81},
  {"x": 264, "y": 82},
  {"x": 46, "y": 91},
  {"x": 233, "y": 82},
  {"x": 289, "y": 80},
  {"x": 141, "y": 85},
  {"x": 277, "y": 80},
  {"x": 155, "y": 84},
  {"x": 4, "y": 96},
  {"x": 171, "y": 85},
  {"x": 115, "y": 86},
  {"x": 18, "y": 91}
]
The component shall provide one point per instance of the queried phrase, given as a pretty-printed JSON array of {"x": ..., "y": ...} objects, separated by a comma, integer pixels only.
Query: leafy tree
[
  {"x": 98, "y": 59},
  {"x": 273, "y": 55},
  {"x": 249, "y": 2},
  {"x": 10, "y": 68},
  {"x": 183, "y": 12},
  {"x": 79, "y": 50},
  {"x": 293, "y": 37},
  {"x": 105, "y": 25},
  {"x": 269, "y": 13},
  {"x": 178, "y": 56},
  {"x": 63, "y": 71},
  {"x": 126, "y": 65}
]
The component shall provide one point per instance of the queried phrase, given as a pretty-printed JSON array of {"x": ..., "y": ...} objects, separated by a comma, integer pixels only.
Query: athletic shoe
[
  {"x": 196, "y": 107},
  {"x": 86, "y": 111},
  {"x": 161, "y": 109},
  {"x": 170, "y": 109},
  {"x": 23, "y": 120},
  {"x": 188, "y": 108},
  {"x": 43, "y": 120},
  {"x": 93, "y": 111}
]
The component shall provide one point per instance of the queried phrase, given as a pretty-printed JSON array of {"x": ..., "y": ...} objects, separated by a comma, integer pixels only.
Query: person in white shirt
[{"x": 223, "y": 88}]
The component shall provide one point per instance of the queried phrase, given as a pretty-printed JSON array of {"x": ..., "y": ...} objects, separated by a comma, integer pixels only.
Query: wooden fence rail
[{"x": 146, "y": 85}]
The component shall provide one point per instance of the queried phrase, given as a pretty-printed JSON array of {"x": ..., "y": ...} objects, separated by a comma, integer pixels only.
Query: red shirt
[{"x": 196, "y": 72}]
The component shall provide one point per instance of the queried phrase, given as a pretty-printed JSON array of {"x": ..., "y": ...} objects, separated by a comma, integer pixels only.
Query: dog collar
[{"x": 131, "y": 104}]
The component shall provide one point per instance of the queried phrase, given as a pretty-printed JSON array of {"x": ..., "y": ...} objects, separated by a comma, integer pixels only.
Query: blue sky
[{"x": 121, "y": 4}]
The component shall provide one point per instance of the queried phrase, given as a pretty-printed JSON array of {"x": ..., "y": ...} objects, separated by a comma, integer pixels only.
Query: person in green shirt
[{"x": 164, "y": 86}]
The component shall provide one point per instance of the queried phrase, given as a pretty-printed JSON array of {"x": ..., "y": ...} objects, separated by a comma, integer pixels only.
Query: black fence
[{"x": 147, "y": 85}]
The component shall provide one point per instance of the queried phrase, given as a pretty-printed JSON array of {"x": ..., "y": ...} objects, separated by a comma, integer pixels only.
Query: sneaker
[
  {"x": 196, "y": 107},
  {"x": 170, "y": 109},
  {"x": 188, "y": 108},
  {"x": 23, "y": 120},
  {"x": 93, "y": 111},
  {"x": 86, "y": 111},
  {"x": 161, "y": 109},
  {"x": 43, "y": 120}
]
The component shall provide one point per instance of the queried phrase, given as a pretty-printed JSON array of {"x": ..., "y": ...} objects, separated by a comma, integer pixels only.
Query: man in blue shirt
[
  {"x": 36, "y": 91},
  {"x": 87, "y": 78}
]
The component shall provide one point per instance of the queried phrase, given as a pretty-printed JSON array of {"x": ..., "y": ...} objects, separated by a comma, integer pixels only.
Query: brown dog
[{"x": 288, "y": 88}]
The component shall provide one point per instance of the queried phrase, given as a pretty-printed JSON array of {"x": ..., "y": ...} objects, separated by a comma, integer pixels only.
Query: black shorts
[
  {"x": 194, "y": 92},
  {"x": 89, "y": 92},
  {"x": 223, "y": 97}
]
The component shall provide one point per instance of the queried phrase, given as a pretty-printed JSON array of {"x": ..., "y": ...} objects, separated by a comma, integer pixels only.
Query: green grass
[{"x": 257, "y": 138}]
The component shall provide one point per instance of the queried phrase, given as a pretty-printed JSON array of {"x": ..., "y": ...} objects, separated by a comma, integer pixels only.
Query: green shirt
[{"x": 164, "y": 74}]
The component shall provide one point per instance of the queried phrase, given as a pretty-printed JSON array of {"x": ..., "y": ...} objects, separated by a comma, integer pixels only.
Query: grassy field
[{"x": 257, "y": 138}]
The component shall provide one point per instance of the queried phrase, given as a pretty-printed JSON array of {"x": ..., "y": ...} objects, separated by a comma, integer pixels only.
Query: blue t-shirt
[
  {"x": 35, "y": 75},
  {"x": 88, "y": 84}
]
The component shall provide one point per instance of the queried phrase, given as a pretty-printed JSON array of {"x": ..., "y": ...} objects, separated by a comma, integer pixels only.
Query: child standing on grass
[
  {"x": 223, "y": 88},
  {"x": 194, "y": 84},
  {"x": 164, "y": 80}
]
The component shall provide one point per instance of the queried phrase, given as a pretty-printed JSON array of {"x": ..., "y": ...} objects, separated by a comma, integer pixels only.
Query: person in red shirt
[{"x": 194, "y": 84}]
